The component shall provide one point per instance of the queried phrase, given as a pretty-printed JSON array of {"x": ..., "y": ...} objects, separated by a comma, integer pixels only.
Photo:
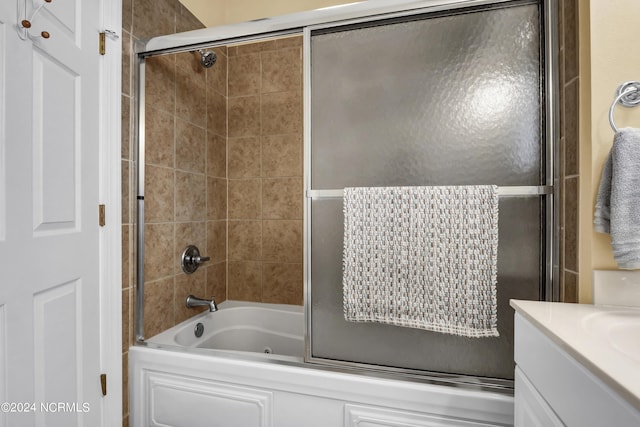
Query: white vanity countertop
[{"x": 605, "y": 339}]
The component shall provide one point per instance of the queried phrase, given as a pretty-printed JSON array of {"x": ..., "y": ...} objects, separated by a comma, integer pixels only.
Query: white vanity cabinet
[
  {"x": 561, "y": 377},
  {"x": 531, "y": 410}
]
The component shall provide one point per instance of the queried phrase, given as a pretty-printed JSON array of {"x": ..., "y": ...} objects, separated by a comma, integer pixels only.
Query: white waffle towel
[{"x": 422, "y": 257}]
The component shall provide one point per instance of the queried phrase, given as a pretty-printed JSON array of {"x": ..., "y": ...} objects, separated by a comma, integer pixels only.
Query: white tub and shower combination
[
  {"x": 256, "y": 364},
  {"x": 247, "y": 369}
]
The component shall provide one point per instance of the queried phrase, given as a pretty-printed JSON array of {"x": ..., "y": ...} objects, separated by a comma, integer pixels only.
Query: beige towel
[{"x": 422, "y": 257}]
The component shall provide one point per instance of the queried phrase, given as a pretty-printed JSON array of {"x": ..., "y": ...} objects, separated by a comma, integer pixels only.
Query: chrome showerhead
[{"x": 207, "y": 58}]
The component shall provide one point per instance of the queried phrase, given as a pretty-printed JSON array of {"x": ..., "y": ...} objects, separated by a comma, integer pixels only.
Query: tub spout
[{"x": 192, "y": 302}]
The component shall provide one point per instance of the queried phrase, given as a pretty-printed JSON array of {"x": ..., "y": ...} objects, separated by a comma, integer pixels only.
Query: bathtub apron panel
[{"x": 217, "y": 388}]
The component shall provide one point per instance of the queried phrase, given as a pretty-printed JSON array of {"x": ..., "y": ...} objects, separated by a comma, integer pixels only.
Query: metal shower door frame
[
  {"x": 549, "y": 95},
  {"x": 305, "y": 23}
]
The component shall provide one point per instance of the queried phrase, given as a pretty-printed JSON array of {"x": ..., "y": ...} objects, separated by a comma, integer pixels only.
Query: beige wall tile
[
  {"x": 186, "y": 21},
  {"x": 281, "y": 113},
  {"x": 159, "y": 138},
  {"x": 127, "y": 256},
  {"x": 125, "y": 127},
  {"x": 217, "y": 75},
  {"x": 561, "y": 246},
  {"x": 159, "y": 194},
  {"x": 282, "y": 241},
  {"x": 166, "y": 96},
  {"x": 126, "y": 319},
  {"x": 571, "y": 223},
  {"x": 158, "y": 306},
  {"x": 217, "y": 241},
  {"x": 244, "y": 157},
  {"x": 244, "y": 75},
  {"x": 127, "y": 15},
  {"x": 216, "y": 155},
  {"x": 570, "y": 287},
  {"x": 282, "y": 70},
  {"x": 185, "y": 285},
  {"x": 217, "y": 281},
  {"x": 190, "y": 147},
  {"x": 282, "y": 198},
  {"x": 160, "y": 83},
  {"x": 287, "y": 42},
  {"x": 282, "y": 155},
  {"x": 154, "y": 18},
  {"x": 191, "y": 197},
  {"x": 125, "y": 176},
  {"x": 278, "y": 153},
  {"x": 216, "y": 113},
  {"x": 222, "y": 50},
  {"x": 282, "y": 283},
  {"x": 158, "y": 251},
  {"x": 245, "y": 200},
  {"x": 571, "y": 127},
  {"x": 127, "y": 50},
  {"x": 245, "y": 240},
  {"x": 191, "y": 104},
  {"x": 245, "y": 282},
  {"x": 560, "y": 24},
  {"x": 570, "y": 24},
  {"x": 244, "y": 116},
  {"x": 216, "y": 198},
  {"x": 254, "y": 47},
  {"x": 191, "y": 94}
]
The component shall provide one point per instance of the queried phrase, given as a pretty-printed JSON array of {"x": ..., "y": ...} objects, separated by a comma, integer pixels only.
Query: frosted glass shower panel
[
  {"x": 378, "y": 344},
  {"x": 441, "y": 100}
]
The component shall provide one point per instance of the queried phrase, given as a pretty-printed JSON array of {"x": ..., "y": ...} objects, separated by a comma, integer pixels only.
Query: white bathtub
[
  {"x": 273, "y": 329},
  {"x": 224, "y": 378}
]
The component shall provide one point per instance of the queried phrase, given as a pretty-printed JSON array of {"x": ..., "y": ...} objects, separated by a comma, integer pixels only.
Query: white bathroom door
[{"x": 49, "y": 242}]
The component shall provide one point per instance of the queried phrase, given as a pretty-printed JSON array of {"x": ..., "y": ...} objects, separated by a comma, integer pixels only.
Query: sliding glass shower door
[{"x": 444, "y": 98}]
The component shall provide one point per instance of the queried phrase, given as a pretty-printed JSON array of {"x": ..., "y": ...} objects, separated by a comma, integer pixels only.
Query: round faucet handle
[{"x": 191, "y": 259}]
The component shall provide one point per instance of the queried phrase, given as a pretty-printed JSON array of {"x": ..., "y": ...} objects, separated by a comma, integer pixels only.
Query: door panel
[
  {"x": 55, "y": 144},
  {"x": 49, "y": 251},
  {"x": 65, "y": 16},
  {"x": 3, "y": 29},
  {"x": 3, "y": 362},
  {"x": 438, "y": 99},
  {"x": 57, "y": 335}
]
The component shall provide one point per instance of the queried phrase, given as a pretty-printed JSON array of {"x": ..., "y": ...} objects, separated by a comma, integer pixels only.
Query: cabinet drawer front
[{"x": 576, "y": 395}]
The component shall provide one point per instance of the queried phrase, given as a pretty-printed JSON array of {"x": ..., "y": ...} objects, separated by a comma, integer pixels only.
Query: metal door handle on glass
[{"x": 191, "y": 259}]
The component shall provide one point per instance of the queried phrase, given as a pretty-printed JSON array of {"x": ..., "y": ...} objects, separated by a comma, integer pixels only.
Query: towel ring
[{"x": 628, "y": 95}]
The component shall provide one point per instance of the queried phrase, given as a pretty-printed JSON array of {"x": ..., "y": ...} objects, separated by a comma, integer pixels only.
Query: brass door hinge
[
  {"x": 103, "y": 40},
  {"x": 102, "y": 215},
  {"x": 103, "y": 384},
  {"x": 103, "y": 43}
]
